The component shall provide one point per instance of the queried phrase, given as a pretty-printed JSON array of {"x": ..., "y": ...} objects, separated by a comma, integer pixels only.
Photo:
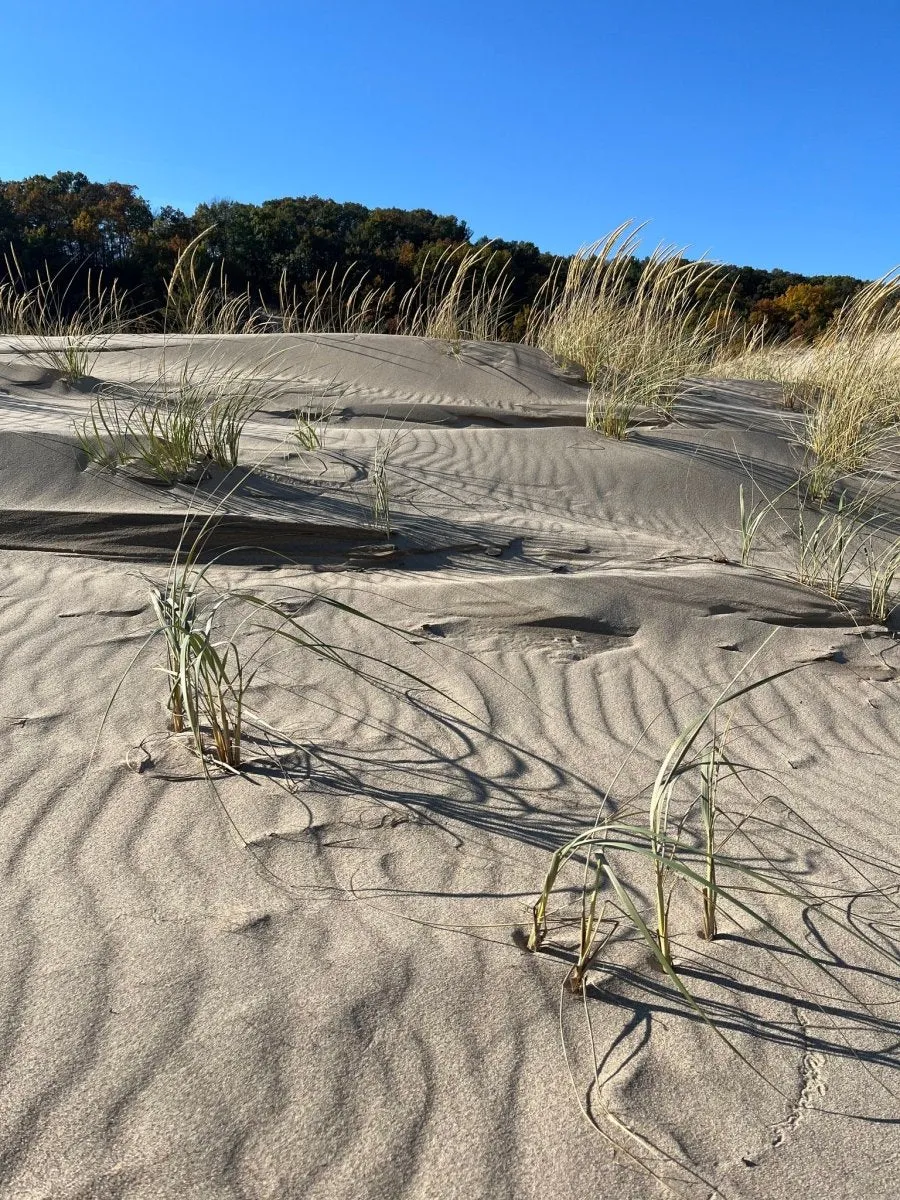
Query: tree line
[{"x": 67, "y": 223}]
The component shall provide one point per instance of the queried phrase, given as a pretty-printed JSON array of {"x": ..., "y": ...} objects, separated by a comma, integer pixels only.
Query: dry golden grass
[
  {"x": 460, "y": 297},
  {"x": 847, "y": 384},
  {"x": 638, "y": 330}
]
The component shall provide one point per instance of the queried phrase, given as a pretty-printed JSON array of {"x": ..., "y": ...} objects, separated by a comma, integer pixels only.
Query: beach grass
[
  {"x": 638, "y": 330},
  {"x": 461, "y": 295},
  {"x": 65, "y": 325},
  {"x": 840, "y": 547},
  {"x": 662, "y": 843},
  {"x": 845, "y": 386},
  {"x": 194, "y": 412}
]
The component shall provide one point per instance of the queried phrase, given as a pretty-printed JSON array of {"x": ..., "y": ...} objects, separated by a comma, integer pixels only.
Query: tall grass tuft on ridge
[
  {"x": 199, "y": 301},
  {"x": 61, "y": 330},
  {"x": 846, "y": 386},
  {"x": 850, "y": 383},
  {"x": 461, "y": 296},
  {"x": 638, "y": 329},
  {"x": 335, "y": 303}
]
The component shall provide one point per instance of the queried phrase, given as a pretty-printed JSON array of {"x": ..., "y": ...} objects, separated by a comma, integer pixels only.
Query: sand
[{"x": 308, "y": 981}]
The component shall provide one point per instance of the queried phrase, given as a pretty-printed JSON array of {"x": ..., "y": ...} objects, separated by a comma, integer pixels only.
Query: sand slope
[{"x": 304, "y": 982}]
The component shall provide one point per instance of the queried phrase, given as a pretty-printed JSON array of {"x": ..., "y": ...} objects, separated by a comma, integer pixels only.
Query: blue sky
[{"x": 763, "y": 133}]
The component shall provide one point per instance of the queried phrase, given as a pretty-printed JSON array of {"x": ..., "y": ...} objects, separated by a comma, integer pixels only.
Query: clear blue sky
[{"x": 765, "y": 133}]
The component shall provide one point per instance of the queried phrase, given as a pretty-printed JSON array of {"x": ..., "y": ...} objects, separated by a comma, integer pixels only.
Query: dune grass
[
  {"x": 194, "y": 412},
  {"x": 53, "y": 325},
  {"x": 310, "y": 430},
  {"x": 612, "y": 416},
  {"x": 846, "y": 386},
  {"x": 753, "y": 515},
  {"x": 205, "y": 669},
  {"x": 826, "y": 548},
  {"x": 842, "y": 548},
  {"x": 852, "y": 385},
  {"x": 460, "y": 296},
  {"x": 882, "y": 573},
  {"x": 686, "y": 838},
  {"x": 711, "y": 767},
  {"x": 380, "y": 479},
  {"x": 840, "y": 551},
  {"x": 312, "y": 423},
  {"x": 206, "y": 679},
  {"x": 380, "y": 486},
  {"x": 638, "y": 330},
  {"x": 212, "y": 658},
  {"x": 200, "y": 301},
  {"x": 336, "y": 302},
  {"x": 175, "y": 607},
  {"x": 660, "y": 841}
]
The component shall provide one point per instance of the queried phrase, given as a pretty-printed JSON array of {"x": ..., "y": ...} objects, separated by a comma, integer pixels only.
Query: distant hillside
[{"x": 67, "y": 222}]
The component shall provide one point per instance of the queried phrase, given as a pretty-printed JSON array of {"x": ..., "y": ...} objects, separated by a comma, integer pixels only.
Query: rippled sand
[{"x": 307, "y": 981}]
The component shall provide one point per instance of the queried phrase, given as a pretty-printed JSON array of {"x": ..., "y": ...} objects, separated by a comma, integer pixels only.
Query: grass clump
[
  {"x": 610, "y": 415},
  {"x": 51, "y": 324},
  {"x": 638, "y": 329},
  {"x": 840, "y": 548},
  {"x": 839, "y": 552},
  {"x": 827, "y": 548},
  {"x": 335, "y": 302},
  {"x": 882, "y": 570},
  {"x": 312, "y": 424},
  {"x": 851, "y": 385},
  {"x": 215, "y": 642},
  {"x": 380, "y": 486},
  {"x": 688, "y": 838},
  {"x": 191, "y": 414},
  {"x": 105, "y": 436},
  {"x": 666, "y": 844},
  {"x": 845, "y": 386},
  {"x": 198, "y": 301},
  {"x": 207, "y": 680},
  {"x": 309, "y": 433},
  {"x": 753, "y": 514},
  {"x": 461, "y": 295}
]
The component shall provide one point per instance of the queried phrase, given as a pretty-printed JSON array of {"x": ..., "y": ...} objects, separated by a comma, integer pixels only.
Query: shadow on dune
[
  {"x": 768, "y": 1009},
  {"x": 758, "y": 988}
]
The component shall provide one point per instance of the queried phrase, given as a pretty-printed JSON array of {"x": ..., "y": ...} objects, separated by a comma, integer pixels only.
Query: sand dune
[{"x": 304, "y": 981}]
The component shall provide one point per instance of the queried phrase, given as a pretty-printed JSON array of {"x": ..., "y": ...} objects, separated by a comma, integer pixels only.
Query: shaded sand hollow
[{"x": 308, "y": 981}]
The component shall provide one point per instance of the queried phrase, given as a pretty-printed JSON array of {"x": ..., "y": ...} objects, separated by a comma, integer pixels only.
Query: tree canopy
[{"x": 65, "y": 223}]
